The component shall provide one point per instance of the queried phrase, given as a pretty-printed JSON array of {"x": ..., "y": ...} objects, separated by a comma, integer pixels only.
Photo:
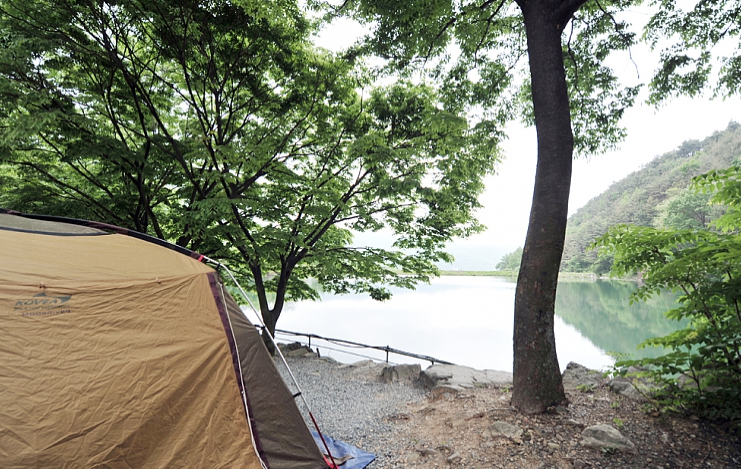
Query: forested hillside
[{"x": 656, "y": 195}]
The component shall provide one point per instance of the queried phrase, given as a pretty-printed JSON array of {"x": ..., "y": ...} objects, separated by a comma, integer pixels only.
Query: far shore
[{"x": 513, "y": 274}]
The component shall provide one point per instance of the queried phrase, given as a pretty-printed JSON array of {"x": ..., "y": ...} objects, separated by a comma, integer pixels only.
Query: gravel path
[{"x": 351, "y": 404}]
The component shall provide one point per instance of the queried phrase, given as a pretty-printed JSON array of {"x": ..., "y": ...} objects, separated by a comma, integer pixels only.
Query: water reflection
[
  {"x": 468, "y": 321},
  {"x": 602, "y": 312}
]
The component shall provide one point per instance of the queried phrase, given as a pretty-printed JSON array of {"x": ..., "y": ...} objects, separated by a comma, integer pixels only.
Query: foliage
[
  {"x": 585, "y": 387},
  {"x": 220, "y": 127},
  {"x": 704, "y": 267},
  {"x": 688, "y": 210},
  {"x": 511, "y": 261},
  {"x": 699, "y": 47},
  {"x": 648, "y": 196},
  {"x": 486, "y": 71}
]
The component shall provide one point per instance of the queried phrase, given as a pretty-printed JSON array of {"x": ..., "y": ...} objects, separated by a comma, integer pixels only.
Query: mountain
[{"x": 641, "y": 198}]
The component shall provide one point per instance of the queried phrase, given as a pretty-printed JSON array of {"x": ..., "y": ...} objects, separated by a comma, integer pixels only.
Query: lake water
[{"x": 469, "y": 321}]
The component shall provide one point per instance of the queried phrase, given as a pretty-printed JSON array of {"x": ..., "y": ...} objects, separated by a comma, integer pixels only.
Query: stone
[
  {"x": 576, "y": 375},
  {"x": 360, "y": 364},
  {"x": 453, "y": 378},
  {"x": 445, "y": 449},
  {"x": 605, "y": 436},
  {"x": 445, "y": 390},
  {"x": 300, "y": 352},
  {"x": 685, "y": 381},
  {"x": 501, "y": 428},
  {"x": 456, "y": 420},
  {"x": 644, "y": 383},
  {"x": 455, "y": 458},
  {"x": 554, "y": 446},
  {"x": 390, "y": 374},
  {"x": 624, "y": 387},
  {"x": 285, "y": 348},
  {"x": 426, "y": 452},
  {"x": 330, "y": 360}
]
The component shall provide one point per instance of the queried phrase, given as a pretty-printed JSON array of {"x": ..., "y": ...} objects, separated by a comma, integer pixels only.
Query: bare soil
[{"x": 453, "y": 432}]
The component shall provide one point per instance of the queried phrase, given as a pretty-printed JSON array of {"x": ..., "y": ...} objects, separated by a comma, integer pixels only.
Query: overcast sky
[{"x": 650, "y": 132}]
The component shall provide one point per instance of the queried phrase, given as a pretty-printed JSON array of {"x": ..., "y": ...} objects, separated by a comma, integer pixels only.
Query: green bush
[{"x": 701, "y": 371}]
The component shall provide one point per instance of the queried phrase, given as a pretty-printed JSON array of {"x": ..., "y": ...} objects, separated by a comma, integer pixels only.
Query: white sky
[{"x": 650, "y": 132}]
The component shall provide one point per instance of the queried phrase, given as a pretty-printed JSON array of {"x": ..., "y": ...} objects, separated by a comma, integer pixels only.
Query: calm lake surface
[{"x": 469, "y": 320}]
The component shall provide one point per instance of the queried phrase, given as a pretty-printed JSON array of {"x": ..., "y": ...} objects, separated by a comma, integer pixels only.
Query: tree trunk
[
  {"x": 270, "y": 315},
  {"x": 270, "y": 321},
  {"x": 537, "y": 376}
]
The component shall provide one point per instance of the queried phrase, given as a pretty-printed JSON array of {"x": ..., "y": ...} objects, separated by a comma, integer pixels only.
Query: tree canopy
[
  {"x": 699, "y": 46},
  {"x": 511, "y": 261},
  {"x": 219, "y": 126}
]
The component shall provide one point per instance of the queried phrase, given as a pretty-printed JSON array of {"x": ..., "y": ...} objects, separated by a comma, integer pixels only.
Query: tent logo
[{"x": 42, "y": 304}]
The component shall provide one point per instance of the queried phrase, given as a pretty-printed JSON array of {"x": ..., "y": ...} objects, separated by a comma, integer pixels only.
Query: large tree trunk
[{"x": 537, "y": 376}]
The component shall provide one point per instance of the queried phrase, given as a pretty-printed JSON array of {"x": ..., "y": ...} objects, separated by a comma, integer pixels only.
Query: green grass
[
  {"x": 498, "y": 273},
  {"x": 477, "y": 273}
]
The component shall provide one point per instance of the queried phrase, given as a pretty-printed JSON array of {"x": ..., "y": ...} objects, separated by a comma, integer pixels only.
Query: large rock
[
  {"x": 501, "y": 428},
  {"x": 605, "y": 436},
  {"x": 454, "y": 377},
  {"x": 296, "y": 349},
  {"x": 577, "y": 375},
  {"x": 624, "y": 387},
  {"x": 399, "y": 372}
]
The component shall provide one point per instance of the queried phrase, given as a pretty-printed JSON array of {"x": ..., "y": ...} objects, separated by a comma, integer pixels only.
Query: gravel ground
[{"x": 351, "y": 404}]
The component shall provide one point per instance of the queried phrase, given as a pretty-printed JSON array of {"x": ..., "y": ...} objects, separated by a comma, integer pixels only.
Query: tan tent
[{"x": 120, "y": 353}]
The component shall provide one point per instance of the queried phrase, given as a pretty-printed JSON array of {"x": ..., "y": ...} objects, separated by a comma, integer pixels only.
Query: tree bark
[{"x": 537, "y": 376}]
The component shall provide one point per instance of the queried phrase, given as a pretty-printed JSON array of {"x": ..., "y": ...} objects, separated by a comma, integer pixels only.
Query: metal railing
[{"x": 351, "y": 344}]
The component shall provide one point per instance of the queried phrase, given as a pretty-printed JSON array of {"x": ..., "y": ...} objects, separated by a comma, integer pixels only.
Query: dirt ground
[{"x": 453, "y": 432}]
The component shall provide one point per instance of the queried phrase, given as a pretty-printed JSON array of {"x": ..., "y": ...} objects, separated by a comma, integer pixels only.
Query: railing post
[{"x": 387, "y": 354}]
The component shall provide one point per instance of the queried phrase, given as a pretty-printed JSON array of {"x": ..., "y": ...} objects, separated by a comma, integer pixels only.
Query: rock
[
  {"x": 579, "y": 464},
  {"x": 457, "y": 378},
  {"x": 426, "y": 452},
  {"x": 605, "y": 436},
  {"x": 624, "y": 387},
  {"x": 685, "y": 381},
  {"x": 445, "y": 449},
  {"x": 572, "y": 422},
  {"x": 446, "y": 390},
  {"x": 554, "y": 446},
  {"x": 360, "y": 364},
  {"x": 576, "y": 375},
  {"x": 285, "y": 348},
  {"x": 300, "y": 352},
  {"x": 500, "y": 428},
  {"x": 644, "y": 383},
  {"x": 296, "y": 349},
  {"x": 390, "y": 374},
  {"x": 456, "y": 420},
  {"x": 454, "y": 458}
]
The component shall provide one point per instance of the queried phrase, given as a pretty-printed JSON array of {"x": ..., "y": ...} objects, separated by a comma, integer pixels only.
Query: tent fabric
[{"x": 120, "y": 353}]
